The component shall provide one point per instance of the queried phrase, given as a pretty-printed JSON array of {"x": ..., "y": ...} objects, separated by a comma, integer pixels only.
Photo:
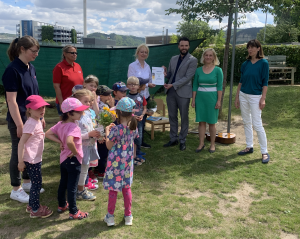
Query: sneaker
[
  {"x": 28, "y": 208},
  {"x": 42, "y": 212},
  {"x": 93, "y": 180},
  {"x": 100, "y": 175},
  {"x": 63, "y": 209},
  {"x": 144, "y": 145},
  {"x": 93, "y": 176},
  {"x": 27, "y": 186},
  {"x": 128, "y": 220},
  {"x": 91, "y": 186},
  {"x": 79, "y": 215},
  {"x": 20, "y": 195},
  {"x": 85, "y": 195},
  {"x": 110, "y": 221}
]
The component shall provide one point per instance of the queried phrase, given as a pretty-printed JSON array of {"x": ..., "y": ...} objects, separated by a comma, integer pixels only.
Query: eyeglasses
[
  {"x": 76, "y": 53},
  {"x": 133, "y": 84},
  {"x": 34, "y": 52}
]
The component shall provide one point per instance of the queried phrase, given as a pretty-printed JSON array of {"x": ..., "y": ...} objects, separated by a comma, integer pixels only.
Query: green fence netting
[{"x": 108, "y": 64}]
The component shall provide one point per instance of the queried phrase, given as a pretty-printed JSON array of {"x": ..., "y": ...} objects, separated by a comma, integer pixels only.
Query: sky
[{"x": 125, "y": 17}]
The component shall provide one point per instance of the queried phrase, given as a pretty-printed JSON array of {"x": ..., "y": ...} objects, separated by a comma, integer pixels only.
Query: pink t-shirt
[
  {"x": 63, "y": 130},
  {"x": 33, "y": 148}
]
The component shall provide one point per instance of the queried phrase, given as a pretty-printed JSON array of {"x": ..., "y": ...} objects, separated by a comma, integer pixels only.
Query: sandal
[
  {"x": 246, "y": 151},
  {"x": 28, "y": 208},
  {"x": 267, "y": 159},
  {"x": 79, "y": 215},
  {"x": 42, "y": 212},
  {"x": 137, "y": 162}
]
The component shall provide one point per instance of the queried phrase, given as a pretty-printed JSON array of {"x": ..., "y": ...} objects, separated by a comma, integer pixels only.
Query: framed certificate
[{"x": 158, "y": 77}]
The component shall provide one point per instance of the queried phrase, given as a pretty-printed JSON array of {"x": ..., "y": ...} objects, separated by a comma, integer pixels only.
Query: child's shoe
[
  {"x": 110, "y": 221},
  {"x": 28, "y": 208},
  {"x": 141, "y": 158},
  {"x": 79, "y": 215},
  {"x": 93, "y": 176},
  {"x": 128, "y": 220},
  {"x": 100, "y": 175},
  {"x": 63, "y": 209},
  {"x": 91, "y": 186},
  {"x": 42, "y": 212},
  {"x": 27, "y": 187},
  {"x": 20, "y": 195},
  {"x": 93, "y": 180},
  {"x": 85, "y": 195}
]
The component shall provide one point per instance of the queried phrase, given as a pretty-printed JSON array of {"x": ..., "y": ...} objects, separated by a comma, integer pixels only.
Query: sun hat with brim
[
  {"x": 125, "y": 104},
  {"x": 119, "y": 86},
  {"x": 35, "y": 101},
  {"x": 70, "y": 104},
  {"x": 143, "y": 81}
]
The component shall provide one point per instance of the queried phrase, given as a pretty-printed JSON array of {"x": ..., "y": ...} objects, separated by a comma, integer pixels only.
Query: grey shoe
[
  {"x": 85, "y": 195},
  {"x": 128, "y": 220},
  {"x": 110, "y": 221}
]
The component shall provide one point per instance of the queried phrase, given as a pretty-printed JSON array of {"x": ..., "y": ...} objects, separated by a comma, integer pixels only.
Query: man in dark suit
[{"x": 179, "y": 91}]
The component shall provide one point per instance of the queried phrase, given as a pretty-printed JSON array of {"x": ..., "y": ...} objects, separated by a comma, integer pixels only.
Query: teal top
[
  {"x": 254, "y": 76},
  {"x": 213, "y": 79}
]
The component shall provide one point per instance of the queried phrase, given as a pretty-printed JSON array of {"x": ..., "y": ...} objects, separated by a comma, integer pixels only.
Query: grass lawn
[{"x": 183, "y": 194}]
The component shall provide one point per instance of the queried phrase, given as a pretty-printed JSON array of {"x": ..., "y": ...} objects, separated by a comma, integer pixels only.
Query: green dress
[{"x": 207, "y": 87}]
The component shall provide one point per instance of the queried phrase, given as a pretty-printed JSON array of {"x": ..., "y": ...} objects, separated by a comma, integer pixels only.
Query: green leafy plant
[
  {"x": 106, "y": 117},
  {"x": 151, "y": 104}
]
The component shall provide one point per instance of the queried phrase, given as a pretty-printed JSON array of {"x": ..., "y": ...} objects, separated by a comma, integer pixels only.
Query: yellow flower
[
  {"x": 106, "y": 108},
  {"x": 105, "y": 115}
]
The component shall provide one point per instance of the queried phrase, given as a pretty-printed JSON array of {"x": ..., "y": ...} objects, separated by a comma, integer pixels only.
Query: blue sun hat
[{"x": 125, "y": 104}]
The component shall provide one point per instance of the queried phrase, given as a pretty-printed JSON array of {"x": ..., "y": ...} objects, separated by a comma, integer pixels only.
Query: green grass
[{"x": 184, "y": 194}]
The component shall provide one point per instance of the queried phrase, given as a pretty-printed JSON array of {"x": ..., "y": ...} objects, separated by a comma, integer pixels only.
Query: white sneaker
[
  {"x": 128, "y": 220},
  {"x": 19, "y": 195},
  {"x": 110, "y": 221},
  {"x": 27, "y": 186}
]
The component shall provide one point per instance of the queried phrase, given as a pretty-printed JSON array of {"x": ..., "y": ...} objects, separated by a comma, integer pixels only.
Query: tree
[
  {"x": 47, "y": 32},
  {"x": 174, "y": 38},
  {"x": 281, "y": 33},
  {"x": 220, "y": 40},
  {"x": 286, "y": 11},
  {"x": 216, "y": 9},
  {"x": 73, "y": 36},
  {"x": 196, "y": 29}
]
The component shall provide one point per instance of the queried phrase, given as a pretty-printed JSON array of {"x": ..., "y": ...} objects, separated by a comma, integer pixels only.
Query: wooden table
[{"x": 282, "y": 70}]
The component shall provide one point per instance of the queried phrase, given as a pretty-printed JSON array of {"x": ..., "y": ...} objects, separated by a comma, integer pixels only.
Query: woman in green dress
[{"x": 207, "y": 93}]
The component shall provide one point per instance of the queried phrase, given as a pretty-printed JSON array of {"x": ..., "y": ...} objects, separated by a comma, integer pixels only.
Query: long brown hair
[
  {"x": 256, "y": 43},
  {"x": 26, "y": 42},
  {"x": 128, "y": 115}
]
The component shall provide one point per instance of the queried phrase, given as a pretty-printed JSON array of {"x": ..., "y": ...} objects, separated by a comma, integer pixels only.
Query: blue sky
[{"x": 127, "y": 17}]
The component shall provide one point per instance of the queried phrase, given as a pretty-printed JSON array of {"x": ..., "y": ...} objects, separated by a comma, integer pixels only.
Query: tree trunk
[{"x": 226, "y": 55}]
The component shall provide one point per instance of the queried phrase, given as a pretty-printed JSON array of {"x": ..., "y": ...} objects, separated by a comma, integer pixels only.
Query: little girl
[
  {"x": 69, "y": 137},
  {"x": 30, "y": 151},
  {"x": 119, "y": 169},
  {"x": 91, "y": 83},
  {"x": 90, "y": 153}
]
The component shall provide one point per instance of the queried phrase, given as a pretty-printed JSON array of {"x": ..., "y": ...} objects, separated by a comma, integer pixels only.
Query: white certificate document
[{"x": 158, "y": 77}]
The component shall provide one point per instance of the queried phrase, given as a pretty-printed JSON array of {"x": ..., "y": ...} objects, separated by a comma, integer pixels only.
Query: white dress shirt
[{"x": 135, "y": 69}]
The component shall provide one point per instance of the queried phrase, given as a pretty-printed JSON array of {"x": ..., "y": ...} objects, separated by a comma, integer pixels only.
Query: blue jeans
[
  {"x": 138, "y": 141},
  {"x": 58, "y": 110},
  {"x": 35, "y": 174},
  {"x": 70, "y": 171}
]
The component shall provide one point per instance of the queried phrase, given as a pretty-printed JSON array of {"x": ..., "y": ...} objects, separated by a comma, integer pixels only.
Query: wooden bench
[{"x": 278, "y": 70}]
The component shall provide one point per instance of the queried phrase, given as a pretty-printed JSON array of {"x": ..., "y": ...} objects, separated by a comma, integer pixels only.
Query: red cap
[{"x": 35, "y": 101}]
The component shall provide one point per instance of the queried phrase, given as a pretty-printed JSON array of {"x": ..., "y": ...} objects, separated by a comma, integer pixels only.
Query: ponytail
[
  {"x": 132, "y": 123},
  {"x": 26, "y": 42}
]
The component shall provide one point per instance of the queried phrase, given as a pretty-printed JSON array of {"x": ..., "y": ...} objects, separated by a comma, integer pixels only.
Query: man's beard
[{"x": 184, "y": 53}]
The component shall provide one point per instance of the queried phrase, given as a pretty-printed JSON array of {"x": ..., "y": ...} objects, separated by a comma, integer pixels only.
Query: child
[
  {"x": 69, "y": 138},
  {"x": 119, "y": 91},
  {"x": 119, "y": 170},
  {"x": 106, "y": 100},
  {"x": 30, "y": 151},
  {"x": 136, "y": 85},
  {"x": 91, "y": 83},
  {"x": 88, "y": 145}
]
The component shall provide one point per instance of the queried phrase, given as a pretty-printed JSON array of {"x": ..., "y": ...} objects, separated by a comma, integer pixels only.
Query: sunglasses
[
  {"x": 120, "y": 85},
  {"x": 76, "y": 53}
]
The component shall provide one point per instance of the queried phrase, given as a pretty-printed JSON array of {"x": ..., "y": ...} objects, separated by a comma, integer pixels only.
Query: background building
[
  {"x": 157, "y": 40},
  {"x": 34, "y": 29}
]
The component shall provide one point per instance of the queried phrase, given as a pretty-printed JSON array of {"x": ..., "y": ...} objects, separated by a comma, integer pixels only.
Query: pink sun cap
[
  {"x": 72, "y": 104},
  {"x": 35, "y": 101}
]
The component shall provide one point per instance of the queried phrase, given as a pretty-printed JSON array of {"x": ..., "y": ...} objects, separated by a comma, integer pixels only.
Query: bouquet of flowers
[{"x": 104, "y": 119}]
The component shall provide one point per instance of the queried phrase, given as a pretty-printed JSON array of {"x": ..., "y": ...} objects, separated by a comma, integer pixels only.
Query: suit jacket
[{"x": 185, "y": 73}]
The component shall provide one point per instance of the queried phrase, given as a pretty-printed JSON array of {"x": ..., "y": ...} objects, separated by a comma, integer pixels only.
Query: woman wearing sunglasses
[{"x": 66, "y": 75}]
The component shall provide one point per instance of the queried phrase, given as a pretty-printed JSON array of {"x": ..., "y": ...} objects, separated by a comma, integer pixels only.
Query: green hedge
[
  {"x": 47, "y": 33},
  {"x": 291, "y": 52}
]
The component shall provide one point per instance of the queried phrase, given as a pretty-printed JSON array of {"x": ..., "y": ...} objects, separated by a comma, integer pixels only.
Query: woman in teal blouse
[
  {"x": 207, "y": 93},
  {"x": 251, "y": 95}
]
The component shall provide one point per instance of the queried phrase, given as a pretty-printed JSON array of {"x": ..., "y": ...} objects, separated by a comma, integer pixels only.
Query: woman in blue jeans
[{"x": 19, "y": 81}]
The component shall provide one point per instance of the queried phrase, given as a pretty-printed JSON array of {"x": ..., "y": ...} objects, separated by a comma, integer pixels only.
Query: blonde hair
[
  {"x": 81, "y": 93},
  {"x": 91, "y": 79},
  {"x": 14, "y": 49},
  {"x": 139, "y": 48},
  {"x": 216, "y": 60},
  {"x": 133, "y": 80},
  {"x": 66, "y": 49}
]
